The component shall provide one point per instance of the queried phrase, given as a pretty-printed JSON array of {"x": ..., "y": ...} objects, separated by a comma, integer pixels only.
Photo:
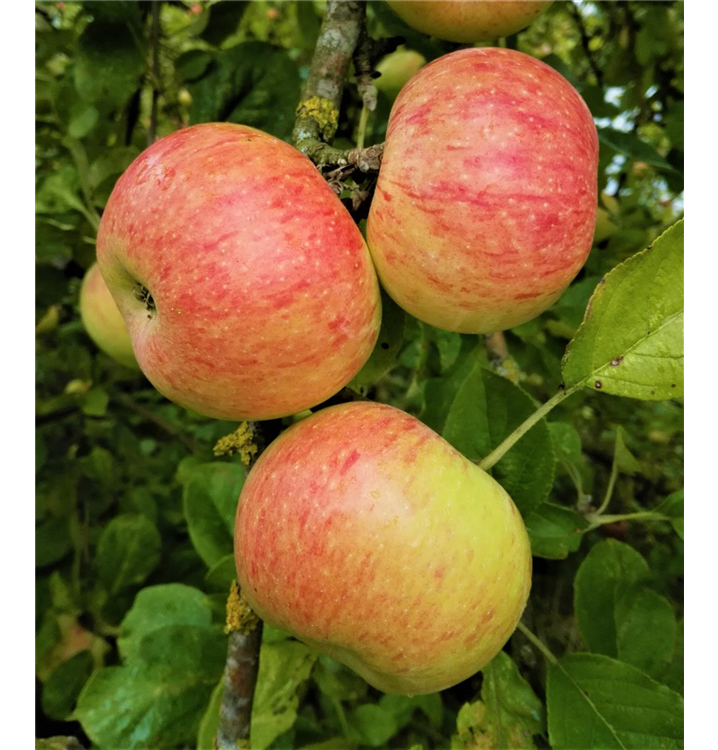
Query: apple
[
  {"x": 247, "y": 288},
  {"x": 468, "y": 20},
  {"x": 367, "y": 536},
  {"x": 396, "y": 69},
  {"x": 102, "y": 320},
  {"x": 486, "y": 200}
]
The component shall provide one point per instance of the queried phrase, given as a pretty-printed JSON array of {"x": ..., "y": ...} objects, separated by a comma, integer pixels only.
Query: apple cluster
[{"x": 248, "y": 292}]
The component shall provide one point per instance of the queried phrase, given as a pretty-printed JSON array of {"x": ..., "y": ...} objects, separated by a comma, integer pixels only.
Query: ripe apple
[
  {"x": 396, "y": 69},
  {"x": 102, "y": 320},
  {"x": 247, "y": 288},
  {"x": 365, "y": 534},
  {"x": 486, "y": 201},
  {"x": 468, "y": 20}
]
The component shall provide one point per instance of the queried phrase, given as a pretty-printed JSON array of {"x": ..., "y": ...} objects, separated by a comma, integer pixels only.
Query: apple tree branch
[{"x": 317, "y": 118}]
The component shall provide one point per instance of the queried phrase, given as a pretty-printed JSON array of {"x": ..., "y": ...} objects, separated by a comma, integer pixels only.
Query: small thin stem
[
  {"x": 597, "y": 519},
  {"x": 498, "y": 452},
  {"x": 611, "y": 484},
  {"x": 155, "y": 74},
  {"x": 548, "y": 655},
  {"x": 536, "y": 641}
]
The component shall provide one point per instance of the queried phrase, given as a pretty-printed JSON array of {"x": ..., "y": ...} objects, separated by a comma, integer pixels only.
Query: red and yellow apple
[
  {"x": 468, "y": 20},
  {"x": 397, "y": 69},
  {"x": 102, "y": 320},
  {"x": 366, "y": 535},
  {"x": 247, "y": 288},
  {"x": 486, "y": 200}
]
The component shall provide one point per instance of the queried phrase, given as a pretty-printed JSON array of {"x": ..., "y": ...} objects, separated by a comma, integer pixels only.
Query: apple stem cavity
[{"x": 142, "y": 294}]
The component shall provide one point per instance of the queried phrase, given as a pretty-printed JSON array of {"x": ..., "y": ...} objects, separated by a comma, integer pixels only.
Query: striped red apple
[
  {"x": 486, "y": 201},
  {"x": 246, "y": 286}
]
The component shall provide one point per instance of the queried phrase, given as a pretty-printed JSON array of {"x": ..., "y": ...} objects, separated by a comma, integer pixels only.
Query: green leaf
[
  {"x": 566, "y": 442},
  {"x": 58, "y": 743},
  {"x": 52, "y": 541},
  {"x": 633, "y": 147},
  {"x": 252, "y": 83},
  {"x": 447, "y": 343},
  {"x": 597, "y": 702},
  {"x": 631, "y": 340},
  {"x": 308, "y": 22},
  {"x": 127, "y": 552},
  {"x": 210, "y": 496},
  {"x": 63, "y": 686},
  {"x": 108, "y": 65},
  {"x": 508, "y": 715},
  {"x": 440, "y": 393},
  {"x": 210, "y": 721},
  {"x": 116, "y": 11},
  {"x": 555, "y": 531},
  {"x": 110, "y": 163},
  {"x": 337, "y": 681},
  {"x": 58, "y": 193},
  {"x": 159, "y": 698},
  {"x": 224, "y": 18},
  {"x": 623, "y": 458},
  {"x": 47, "y": 636},
  {"x": 644, "y": 611},
  {"x": 83, "y": 118},
  {"x": 673, "y": 674},
  {"x": 486, "y": 409},
  {"x": 403, "y": 708},
  {"x": 385, "y": 352},
  {"x": 608, "y": 574},
  {"x": 94, "y": 402},
  {"x": 283, "y": 668},
  {"x": 220, "y": 575},
  {"x": 672, "y": 507},
  {"x": 191, "y": 65},
  {"x": 157, "y": 607},
  {"x": 373, "y": 724}
]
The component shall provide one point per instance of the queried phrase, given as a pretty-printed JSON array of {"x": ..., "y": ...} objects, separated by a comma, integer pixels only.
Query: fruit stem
[
  {"x": 611, "y": 483},
  {"x": 498, "y": 452},
  {"x": 597, "y": 519},
  {"x": 536, "y": 641}
]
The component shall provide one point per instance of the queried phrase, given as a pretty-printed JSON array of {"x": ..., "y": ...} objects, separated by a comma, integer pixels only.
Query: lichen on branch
[{"x": 318, "y": 111}]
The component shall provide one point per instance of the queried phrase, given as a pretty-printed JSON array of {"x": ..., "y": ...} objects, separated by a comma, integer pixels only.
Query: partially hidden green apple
[
  {"x": 246, "y": 286},
  {"x": 103, "y": 321},
  {"x": 397, "y": 69},
  {"x": 366, "y": 535},
  {"x": 468, "y": 20}
]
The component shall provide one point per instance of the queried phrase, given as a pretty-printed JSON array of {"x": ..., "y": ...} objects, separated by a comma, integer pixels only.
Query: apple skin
[
  {"x": 103, "y": 321},
  {"x": 265, "y": 298},
  {"x": 486, "y": 200},
  {"x": 397, "y": 69},
  {"x": 366, "y": 535},
  {"x": 468, "y": 20}
]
